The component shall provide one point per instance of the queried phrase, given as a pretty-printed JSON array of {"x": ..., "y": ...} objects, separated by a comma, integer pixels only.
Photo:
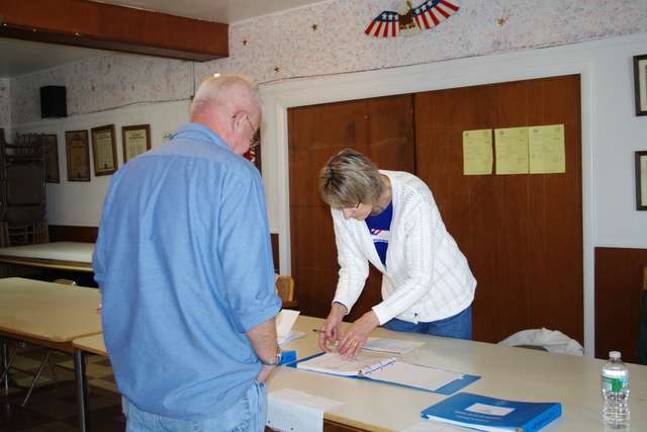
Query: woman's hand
[
  {"x": 357, "y": 335},
  {"x": 329, "y": 335}
]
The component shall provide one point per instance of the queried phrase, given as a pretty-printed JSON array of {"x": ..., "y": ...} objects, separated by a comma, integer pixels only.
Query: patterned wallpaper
[
  {"x": 327, "y": 38},
  {"x": 5, "y": 111}
]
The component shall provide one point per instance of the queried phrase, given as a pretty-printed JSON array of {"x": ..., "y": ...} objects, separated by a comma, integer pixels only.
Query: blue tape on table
[{"x": 288, "y": 357}]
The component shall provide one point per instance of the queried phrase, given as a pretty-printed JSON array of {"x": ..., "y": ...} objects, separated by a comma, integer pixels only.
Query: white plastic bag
[{"x": 552, "y": 340}]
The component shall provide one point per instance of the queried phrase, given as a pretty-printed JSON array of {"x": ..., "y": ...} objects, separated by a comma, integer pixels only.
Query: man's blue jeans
[
  {"x": 458, "y": 326},
  {"x": 247, "y": 415}
]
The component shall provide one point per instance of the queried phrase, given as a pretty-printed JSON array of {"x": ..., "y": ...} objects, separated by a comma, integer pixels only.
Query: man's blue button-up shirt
[{"x": 184, "y": 263}]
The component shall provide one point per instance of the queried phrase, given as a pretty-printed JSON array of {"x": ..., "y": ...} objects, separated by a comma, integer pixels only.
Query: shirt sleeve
[
  {"x": 245, "y": 252},
  {"x": 353, "y": 265}
]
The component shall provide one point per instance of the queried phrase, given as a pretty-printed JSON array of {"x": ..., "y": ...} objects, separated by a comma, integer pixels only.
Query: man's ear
[{"x": 237, "y": 120}]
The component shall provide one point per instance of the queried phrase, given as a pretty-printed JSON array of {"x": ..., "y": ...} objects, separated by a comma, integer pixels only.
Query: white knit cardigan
[{"x": 426, "y": 278}]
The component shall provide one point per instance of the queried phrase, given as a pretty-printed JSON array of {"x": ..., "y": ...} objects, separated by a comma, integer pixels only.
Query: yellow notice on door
[
  {"x": 477, "y": 152},
  {"x": 546, "y": 149},
  {"x": 511, "y": 145}
]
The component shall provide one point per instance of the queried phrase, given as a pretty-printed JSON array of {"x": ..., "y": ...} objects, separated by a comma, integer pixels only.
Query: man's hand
[
  {"x": 264, "y": 374},
  {"x": 352, "y": 342},
  {"x": 263, "y": 339}
]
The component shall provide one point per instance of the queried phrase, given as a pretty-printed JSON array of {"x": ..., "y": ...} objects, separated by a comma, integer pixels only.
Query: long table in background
[
  {"x": 506, "y": 372},
  {"x": 72, "y": 256},
  {"x": 47, "y": 314}
]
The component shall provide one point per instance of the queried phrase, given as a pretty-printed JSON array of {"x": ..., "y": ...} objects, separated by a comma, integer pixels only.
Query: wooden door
[
  {"x": 381, "y": 128},
  {"x": 522, "y": 234}
]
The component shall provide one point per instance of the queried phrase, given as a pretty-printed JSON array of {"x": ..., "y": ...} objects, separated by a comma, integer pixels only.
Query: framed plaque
[
  {"x": 104, "y": 150},
  {"x": 78, "y": 155},
  {"x": 51, "y": 159},
  {"x": 640, "y": 84},
  {"x": 135, "y": 140},
  {"x": 641, "y": 180}
]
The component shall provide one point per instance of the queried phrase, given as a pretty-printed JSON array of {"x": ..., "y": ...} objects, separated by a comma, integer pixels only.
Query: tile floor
[{"x": 52, "y": 406}]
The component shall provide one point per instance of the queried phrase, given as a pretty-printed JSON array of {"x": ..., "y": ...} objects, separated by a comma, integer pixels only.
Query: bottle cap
[{"x": 614, "y": 355}]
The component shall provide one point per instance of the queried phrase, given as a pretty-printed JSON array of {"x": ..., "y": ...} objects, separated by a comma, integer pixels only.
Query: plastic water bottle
[{"x": 615, "y": 392}]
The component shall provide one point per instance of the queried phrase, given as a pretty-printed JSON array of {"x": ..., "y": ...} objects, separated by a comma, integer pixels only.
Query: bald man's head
[{"x": 230, "y": 106}]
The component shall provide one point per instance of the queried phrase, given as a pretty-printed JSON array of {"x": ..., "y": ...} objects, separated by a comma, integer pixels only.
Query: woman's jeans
[
  {"x": 247, "y": 414},
  {"x": 458, "y": 326}
]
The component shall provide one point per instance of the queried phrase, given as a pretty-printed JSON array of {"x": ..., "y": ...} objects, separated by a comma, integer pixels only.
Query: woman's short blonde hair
[{"x": 350, "y": 178}]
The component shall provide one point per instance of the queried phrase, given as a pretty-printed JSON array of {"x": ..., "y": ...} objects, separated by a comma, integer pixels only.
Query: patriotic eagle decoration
[{"x": 411, "y": 20}]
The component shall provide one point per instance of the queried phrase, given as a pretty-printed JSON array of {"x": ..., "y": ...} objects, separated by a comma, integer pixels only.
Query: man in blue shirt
[{"x": 184, "y": 263}]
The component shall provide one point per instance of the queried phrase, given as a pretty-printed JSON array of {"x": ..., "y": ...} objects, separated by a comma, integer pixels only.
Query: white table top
[
  {"x": 64, "y": 255},
  {"x": 506, "y": 372},
  {"x": 48, "y": 311},
  {"x": 65, "y": 251}
]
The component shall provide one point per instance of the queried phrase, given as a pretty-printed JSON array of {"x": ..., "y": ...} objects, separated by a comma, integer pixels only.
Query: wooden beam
[{"x": 105, "y": 26}]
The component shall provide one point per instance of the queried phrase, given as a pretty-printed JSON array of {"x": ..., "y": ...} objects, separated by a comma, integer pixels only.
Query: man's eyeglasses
[{"x": 256, "y": 134}]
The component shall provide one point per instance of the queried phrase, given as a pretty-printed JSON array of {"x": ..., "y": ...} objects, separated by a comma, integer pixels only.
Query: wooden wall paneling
[
  {"x": 506, "y": 225},
  {"x": 106, "y": 26},
  {"x": 315, "y": 134},
  {"x": 512, "y": 279},
  {"x": 274, "y": 238},
  {"x": 556, "y": 213},
  {"x": 382, "y": 129},
  {"x": 86, "y": 234},
  {"x": 618, "y": 277}
]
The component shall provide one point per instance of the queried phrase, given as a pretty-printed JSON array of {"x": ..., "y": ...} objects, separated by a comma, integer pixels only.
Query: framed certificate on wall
[
  {"x": 641, "y": 180},
  {"x": 77, "y": 153},
  {"x": 135, "y": 140},
  {"x": 640, "y": 84},
  {"x": 51, "y": 159},
  {"x": 104, "y": 150}
]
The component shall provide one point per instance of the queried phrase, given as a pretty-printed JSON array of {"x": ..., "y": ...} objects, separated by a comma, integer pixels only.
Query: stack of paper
[{"x": 284, "y": 323}]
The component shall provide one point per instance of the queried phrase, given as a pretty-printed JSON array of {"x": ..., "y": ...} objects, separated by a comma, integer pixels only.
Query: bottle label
[{"x": 614, "y": 384}]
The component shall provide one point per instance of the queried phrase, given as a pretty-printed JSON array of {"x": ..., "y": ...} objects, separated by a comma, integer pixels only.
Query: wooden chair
[{"x": 285, "y": 290}]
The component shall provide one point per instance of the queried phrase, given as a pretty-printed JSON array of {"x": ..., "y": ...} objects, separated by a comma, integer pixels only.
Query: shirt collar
[{"x": 198, "y": 131}]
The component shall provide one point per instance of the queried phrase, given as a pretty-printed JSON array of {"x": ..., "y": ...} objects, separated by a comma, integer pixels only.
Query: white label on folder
[{"x": 494, "y": 410}]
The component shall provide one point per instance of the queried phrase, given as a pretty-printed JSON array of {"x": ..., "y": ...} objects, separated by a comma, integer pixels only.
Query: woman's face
[{"x": 359, "y": 212}]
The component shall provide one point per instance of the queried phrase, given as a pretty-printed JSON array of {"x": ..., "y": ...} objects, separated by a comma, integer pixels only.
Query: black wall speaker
[{"x": 53, "y": 101}]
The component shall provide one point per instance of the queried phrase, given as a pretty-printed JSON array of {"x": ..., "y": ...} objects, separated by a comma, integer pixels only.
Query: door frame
[{"x": 473, "y": 71}]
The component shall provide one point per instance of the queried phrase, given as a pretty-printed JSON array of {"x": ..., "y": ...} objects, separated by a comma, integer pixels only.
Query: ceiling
[{"x": 18, "y": 57}]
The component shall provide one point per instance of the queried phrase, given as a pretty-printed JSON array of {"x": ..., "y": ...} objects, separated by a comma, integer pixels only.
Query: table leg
[
  {"x": 81, "y": 390},
  {"x": 5, "y": 365}
]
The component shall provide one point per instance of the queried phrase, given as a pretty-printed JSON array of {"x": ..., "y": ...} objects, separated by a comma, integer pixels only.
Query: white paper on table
[
  {"x": 335, "y": 364},
  {"x": 391, "y": 345},
  {"x": 284, "y": 323},
  {"x": 295, "y": 411},
  {"x": 292, "y": 336},
  {"x": 430, "y": 426},
  {"x": 412, "y": 375}
]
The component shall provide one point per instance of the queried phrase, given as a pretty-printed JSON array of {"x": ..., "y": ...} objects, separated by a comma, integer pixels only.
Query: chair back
[{"x": 285, "y": 288}]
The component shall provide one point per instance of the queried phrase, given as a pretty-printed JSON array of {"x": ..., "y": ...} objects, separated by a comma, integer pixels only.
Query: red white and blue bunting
[{"x": 409, "y": 20}]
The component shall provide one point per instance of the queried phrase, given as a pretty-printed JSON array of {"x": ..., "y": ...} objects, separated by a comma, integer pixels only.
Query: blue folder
[
  {"x": 447, "y": 389},
  {"x": 492, "y": 414}
]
